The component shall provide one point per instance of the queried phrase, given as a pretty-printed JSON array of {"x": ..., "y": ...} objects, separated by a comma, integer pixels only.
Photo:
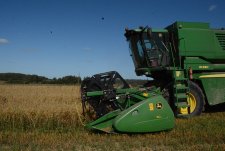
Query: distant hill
[{"x": 19, "y": 78}]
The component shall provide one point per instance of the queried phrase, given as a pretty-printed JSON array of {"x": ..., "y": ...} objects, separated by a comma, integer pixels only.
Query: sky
[{"x": 56, "y": 38}]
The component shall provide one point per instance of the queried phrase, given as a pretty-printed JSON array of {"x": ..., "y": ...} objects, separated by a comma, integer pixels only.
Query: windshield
[{"x": 147, "y": 52}]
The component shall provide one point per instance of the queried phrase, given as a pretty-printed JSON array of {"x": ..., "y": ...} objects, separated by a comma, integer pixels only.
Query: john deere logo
[{"x": 159, "y": 105}]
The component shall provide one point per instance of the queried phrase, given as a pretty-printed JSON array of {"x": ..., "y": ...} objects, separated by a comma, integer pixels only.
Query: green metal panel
[
  {"x": 150, "y": 115},
  {"x": 199, "y": 40},
  {"x": 214, "y": 87},
  {"x": 195, "y": 42},
  {"x": 197, "y": 25},
  {"x": 197, "y": 63},
  {"x": 104, "y": 123}
]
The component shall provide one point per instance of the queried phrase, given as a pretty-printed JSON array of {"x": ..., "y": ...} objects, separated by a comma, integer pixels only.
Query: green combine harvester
[{"x": 187, "y": 63}]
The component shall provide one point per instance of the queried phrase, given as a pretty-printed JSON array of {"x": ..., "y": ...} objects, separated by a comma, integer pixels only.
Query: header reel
[{"x": 101, "y": 89}]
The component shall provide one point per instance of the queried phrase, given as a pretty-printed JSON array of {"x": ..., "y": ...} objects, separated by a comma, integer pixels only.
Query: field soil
[{"x": 48, "y": 117}]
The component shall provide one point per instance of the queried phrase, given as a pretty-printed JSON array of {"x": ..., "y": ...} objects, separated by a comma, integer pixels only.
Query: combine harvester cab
[{"x": 115, "y": 107}]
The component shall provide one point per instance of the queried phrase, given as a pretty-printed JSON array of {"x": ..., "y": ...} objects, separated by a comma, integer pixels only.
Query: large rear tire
[{"x": 196, "y": 101}]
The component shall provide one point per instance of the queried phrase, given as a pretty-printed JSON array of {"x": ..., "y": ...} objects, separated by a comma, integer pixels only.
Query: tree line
[{"x": 19, "y": 78}]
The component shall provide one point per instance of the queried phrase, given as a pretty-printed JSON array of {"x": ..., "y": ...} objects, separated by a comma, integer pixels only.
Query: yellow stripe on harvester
[{"x": 213, "y": 76}]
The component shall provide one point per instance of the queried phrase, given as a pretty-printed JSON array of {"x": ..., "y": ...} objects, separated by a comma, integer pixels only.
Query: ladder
[{"x": 180, "y": 89}]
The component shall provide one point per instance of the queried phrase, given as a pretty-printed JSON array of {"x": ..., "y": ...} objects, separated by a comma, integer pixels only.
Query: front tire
[{"x": 196, "y": 101}]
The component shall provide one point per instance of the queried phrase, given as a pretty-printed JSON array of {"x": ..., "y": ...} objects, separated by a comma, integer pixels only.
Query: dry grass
[
  {"x": 44, "y": 117},
  {"x": 38, "y": 98},
  {"x": 39, "y": 107}
]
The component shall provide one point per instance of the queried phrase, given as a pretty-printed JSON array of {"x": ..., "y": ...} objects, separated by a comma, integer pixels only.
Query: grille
[{"x": 221, "y": 39}]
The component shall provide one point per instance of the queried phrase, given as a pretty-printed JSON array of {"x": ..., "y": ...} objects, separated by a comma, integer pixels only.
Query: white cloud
[
  {"x": 212, "y": 8},
  {"x": 3, "y": 41}
]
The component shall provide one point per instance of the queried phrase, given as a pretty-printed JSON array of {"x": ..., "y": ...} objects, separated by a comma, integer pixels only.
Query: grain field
[{"x": 46, "y": 117}]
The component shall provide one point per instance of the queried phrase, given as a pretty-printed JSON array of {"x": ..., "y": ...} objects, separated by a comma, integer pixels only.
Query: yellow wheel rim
[{"x": 191, "y": 102}]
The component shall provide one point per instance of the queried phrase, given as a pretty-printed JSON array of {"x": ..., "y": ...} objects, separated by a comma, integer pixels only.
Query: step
[
  {"x": 181, "y": 104},
  {"x": 180, "y": 78},
  {"x": 178, "y": 73},
  {"x": 180, "y": 96},
  {"x": 180, "y": 87}
]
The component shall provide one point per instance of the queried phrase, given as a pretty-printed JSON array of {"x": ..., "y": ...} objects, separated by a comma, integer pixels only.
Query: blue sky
[{"x": 55, "y": 38}]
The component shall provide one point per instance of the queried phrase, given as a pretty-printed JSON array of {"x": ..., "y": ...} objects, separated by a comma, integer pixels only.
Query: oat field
[{"x": 47, "y": 117}]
